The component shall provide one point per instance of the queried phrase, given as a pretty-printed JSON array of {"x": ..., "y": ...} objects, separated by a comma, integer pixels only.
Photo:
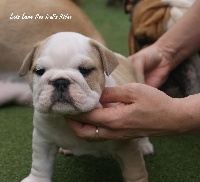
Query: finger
[
  {"x": 122, "y": 94},
  {"x": 100, "y": 116},
  {"x": 155, "y": 81},
  {"x": 82, "y": 130},
  {"x": 137, "y": 62},
  {"x": 89, "y": 132}
]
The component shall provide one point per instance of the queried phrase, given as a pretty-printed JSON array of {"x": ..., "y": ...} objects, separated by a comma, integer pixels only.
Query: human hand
[
  {"x": 154, "y": 63},
  {"x": 142, "y": 111}
]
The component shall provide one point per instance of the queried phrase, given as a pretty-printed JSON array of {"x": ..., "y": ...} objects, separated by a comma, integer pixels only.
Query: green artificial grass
[
  {"x": 113, "y": 23},
  {"x": 176, "y": 159}
]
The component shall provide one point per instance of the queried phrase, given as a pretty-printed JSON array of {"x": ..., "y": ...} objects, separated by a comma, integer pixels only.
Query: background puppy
[
  {"x": 18, "y": 35},
  {"x": 14, "y": 89},
  {"x": 149, "y": 21},
  {"x": 23, "y": 24},
  {"x": 67, "y": 73}
]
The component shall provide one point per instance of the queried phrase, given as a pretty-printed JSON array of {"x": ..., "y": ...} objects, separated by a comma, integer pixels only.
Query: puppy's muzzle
[
  {"x": 61, "y": 91},
  {"x": 61, "y": 85}
]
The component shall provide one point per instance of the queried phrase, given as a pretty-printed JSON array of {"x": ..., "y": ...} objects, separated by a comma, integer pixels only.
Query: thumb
[
  {"x": 99, "y": 116},
  {"x": 138, "y": 61}
]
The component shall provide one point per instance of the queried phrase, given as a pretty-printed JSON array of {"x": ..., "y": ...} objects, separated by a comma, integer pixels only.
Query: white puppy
[
  {"x": 67, "y": 74},
  {"x": 14, "y": 89}
]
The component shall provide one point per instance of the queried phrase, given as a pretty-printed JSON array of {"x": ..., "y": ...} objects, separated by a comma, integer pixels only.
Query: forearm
[
  {"x": 183, "y": 38},
  {"x": 188, "y": 114}
]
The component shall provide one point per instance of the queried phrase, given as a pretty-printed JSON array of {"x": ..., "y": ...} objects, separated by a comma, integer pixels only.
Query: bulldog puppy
[{"x": 67, "y": 74}]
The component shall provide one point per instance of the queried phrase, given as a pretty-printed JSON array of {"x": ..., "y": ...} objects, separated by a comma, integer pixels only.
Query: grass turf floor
[{"x": 176, "y": 159}]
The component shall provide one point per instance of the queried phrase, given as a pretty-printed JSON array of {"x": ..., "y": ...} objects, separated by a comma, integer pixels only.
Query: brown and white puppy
[
  {"x": 149, "y": 21},
  {"x": 67, "y": 74},
  {"x": 25, "y": 22},
  {"x": 22, "y": 24}
]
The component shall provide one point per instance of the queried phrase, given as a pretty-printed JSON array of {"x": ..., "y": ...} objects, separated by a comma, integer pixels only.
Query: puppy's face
[{"x": 66, "y": 73}]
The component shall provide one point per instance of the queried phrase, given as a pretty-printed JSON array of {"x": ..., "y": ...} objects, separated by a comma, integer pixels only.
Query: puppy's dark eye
[
  {"x": 39, "y": 72},
  {"x": 85, "y": 71}
]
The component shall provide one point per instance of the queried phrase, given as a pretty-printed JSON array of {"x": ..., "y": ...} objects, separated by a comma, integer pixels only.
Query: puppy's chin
[{"x": 65, "y": 108}]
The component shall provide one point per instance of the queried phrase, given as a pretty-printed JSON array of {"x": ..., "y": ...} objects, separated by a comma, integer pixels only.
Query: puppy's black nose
[{"x": 61, "y": 85}]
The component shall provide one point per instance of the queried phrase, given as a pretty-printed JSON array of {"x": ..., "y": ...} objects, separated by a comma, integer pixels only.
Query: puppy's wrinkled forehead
[
  {"x": 62, "y": 48},
  {"x": 69, "y": 50}
]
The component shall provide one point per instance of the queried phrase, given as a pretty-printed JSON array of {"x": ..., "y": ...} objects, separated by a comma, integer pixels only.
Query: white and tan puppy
[{"x": 67, "y": 74}]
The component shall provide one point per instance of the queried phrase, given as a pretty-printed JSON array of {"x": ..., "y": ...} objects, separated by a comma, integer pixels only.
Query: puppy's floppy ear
[
  {"x": 108, "y": 58},
  {"x": 27, "y": 63}
]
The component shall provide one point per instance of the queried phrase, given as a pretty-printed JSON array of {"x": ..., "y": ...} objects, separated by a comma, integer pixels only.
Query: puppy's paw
[
  {"x": 35, "y": 179},
  {"x": 146, "y": 146},
  {"x": 65, "y": 152}
]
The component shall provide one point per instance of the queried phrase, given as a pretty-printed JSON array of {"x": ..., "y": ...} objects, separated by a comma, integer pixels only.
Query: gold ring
[
  {"x": 97, "y": 133},
  {"x": 97, "y": 139}
]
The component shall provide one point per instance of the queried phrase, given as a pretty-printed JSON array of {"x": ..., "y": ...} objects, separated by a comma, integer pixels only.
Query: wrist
[
  {"x": 179, "y": 42},
  {"x": 188, "y": 116},
  {"x": 169, "y": 53},
  {"x": 173, "y": 117}
]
